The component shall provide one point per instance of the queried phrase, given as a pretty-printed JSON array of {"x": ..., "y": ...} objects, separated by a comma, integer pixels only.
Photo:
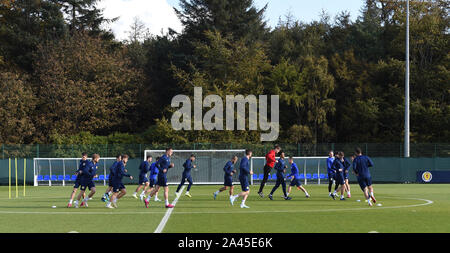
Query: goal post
[
  {"x": 313, "y": 169},
  {"x": 61, "y": 171},
  {"x": 209, "y": 164}
]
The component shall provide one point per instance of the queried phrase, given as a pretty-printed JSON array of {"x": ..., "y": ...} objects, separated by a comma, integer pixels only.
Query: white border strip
[{"x": 164, "y": 220}]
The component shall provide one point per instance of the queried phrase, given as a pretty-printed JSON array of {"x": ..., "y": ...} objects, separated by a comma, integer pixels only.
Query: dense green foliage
[{"x": 339, "y": 80}]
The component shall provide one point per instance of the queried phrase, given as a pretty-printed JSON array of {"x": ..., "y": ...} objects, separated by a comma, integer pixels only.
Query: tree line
[{"x": 64, "y": 78}]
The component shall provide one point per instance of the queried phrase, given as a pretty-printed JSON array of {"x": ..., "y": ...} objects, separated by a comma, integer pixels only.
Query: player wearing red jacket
[{"x": 270, "y": 162}]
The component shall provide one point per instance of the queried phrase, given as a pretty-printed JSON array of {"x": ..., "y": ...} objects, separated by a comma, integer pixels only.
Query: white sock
[
  {"x": 135, "y": 193},
  {"x": 70, "y": 201},
  {"x": 156, "y": 197},
  {"x": 235, "y": 196},
  {"x": 243, "y": 202},
  {"x": 342, "y": 196},
  {"x": 306, "y": 193},
  {"x": 115, "y": 200},
  {"x": 149, "y": 198},
  {"x": 167, "y": 202},
  {"x": 217, "y": 192},
  {"x": 143, "y": 193},
  {"x": 86, "y": 199},
  {"x": 187, "y": 192},
  {"x": 76, "y": 202},
  {"x": 371, "y": 194}
]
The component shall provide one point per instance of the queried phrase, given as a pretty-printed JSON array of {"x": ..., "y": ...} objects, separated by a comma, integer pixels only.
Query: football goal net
[
  {"x": 61, "y": 171},
  {"x": 209, "y": 164},
  {"x": 312, "y": 169}
]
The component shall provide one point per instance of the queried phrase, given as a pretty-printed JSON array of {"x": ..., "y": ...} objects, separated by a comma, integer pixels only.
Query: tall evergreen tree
[
  {"x": 239, "y": 18},
  {"x": 23, "y": 24},
  {"x": 83, "y": 15}
]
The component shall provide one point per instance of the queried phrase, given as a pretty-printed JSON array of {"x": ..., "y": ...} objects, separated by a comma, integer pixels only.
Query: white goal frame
[
  {"x": 77, "y": 160},
  {"x": 319, "y": 158},
  {"x": 189, "y": 151}
]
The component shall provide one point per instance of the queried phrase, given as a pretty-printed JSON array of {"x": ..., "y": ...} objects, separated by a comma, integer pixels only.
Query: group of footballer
[
  {"x": 337, "y": 166},
  {"x": 87, "y": 171}
]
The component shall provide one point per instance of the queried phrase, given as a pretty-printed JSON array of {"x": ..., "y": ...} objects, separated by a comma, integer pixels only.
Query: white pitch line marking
[
  {"x": 164, "y": 220},
  {"x": 427, "y": 202}
]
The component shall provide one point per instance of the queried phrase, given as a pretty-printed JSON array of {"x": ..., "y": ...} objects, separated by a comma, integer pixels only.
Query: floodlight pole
[{"x": 407, "y": 84}]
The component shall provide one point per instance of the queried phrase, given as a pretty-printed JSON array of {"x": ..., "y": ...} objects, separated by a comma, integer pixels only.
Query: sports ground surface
[{"x": 405, "y": 208}]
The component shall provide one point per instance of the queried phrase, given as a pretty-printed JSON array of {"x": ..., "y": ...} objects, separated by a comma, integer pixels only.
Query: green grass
[{"x": 404, "y": 209}]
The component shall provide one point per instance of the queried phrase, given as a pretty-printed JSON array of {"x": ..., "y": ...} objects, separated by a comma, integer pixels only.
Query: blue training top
[
  {"x": 330, "y": 161},
  {"x": 163, "y": 163},
  {"x": 244, "y": 167},
  {"x": 144, "y": 168},
  {"x": 187, "y": 166},
  {"x": 92, "y": 168},
  {"x": 153, "y": 170},
  {"x": 112, "y": 168},
  {"x": 88, "y": 171},
  {"x": 361, "y": 165},
  {"x": 82, "y": 165},
  {"x": 294, "y": 171},
  {"x": 279, "y": 167},
  {"x": 228, "y": 168},
  {"x": 346, "y": 165},
  {"x": 119, "y": 172},
  {"x": 338, "y": 166}
]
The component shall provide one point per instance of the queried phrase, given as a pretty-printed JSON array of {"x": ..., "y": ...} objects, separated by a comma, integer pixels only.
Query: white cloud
[{"x": 155, "y": 14}]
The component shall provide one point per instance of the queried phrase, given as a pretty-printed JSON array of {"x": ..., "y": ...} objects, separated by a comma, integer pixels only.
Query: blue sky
[
  {"x": 158, "y": 15},
  {"x": 304, "y": 10}
]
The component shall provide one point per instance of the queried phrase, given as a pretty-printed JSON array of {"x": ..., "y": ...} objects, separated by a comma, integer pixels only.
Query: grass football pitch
[{"x": 404, "y": 208}]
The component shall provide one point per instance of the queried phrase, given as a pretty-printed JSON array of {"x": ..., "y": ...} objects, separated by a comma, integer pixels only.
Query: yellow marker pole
[
  {"x": 17, "y": 182},
  {"x": 9, "y": 178},
  {"x": 24, "y": 175}
]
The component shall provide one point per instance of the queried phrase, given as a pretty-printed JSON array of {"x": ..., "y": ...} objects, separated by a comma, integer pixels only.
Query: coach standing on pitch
[{"x": 270, "y": 162}]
